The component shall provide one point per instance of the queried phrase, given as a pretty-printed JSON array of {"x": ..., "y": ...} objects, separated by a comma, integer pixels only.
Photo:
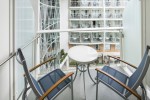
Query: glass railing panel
[
  {"x": 24, "y": 32},
  {"x": 49, "y": 42},
  {"x": 49, "y": 47}
]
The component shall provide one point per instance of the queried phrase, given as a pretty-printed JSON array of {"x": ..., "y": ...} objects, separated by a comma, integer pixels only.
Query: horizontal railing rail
[{"x": 116, "y": 29}]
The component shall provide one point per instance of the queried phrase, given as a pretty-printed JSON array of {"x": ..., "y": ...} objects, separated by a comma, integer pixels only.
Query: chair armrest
[
  {"x": 55, "y": 85},
  {"x": 123, "y": 61},
  {"x": 39, "y": 65},
  {"x": 122, "y": 84}
]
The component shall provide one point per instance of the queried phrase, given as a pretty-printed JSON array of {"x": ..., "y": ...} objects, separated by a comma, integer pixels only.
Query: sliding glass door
[{"x": 132, "y": 40}]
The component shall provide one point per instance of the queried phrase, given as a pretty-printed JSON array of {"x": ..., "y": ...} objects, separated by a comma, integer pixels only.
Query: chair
[
  {"x": 121, "y": 83},
  {"x": 50, "y": 85}
]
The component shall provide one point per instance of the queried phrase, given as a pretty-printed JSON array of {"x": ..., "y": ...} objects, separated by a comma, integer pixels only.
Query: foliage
[{"x": 62, "y": 55}]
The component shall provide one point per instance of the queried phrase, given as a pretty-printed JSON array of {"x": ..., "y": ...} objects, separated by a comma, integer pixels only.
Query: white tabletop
[{"x": 83, "y": 54}]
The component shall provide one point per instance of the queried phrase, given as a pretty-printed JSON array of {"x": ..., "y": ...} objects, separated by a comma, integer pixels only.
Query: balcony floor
[{"x": 104, "y": 92}]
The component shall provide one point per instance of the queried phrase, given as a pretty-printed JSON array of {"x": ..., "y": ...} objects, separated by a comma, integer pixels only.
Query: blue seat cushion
[
  {"x": 108, "y": 81},
  {"x": 50, "y": 79}
]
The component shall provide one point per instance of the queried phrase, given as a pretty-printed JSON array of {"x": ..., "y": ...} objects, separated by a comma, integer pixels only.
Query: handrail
[
  {"x": 39, "y": 65},
  {"x": 123, "y": 61},
  {"x": 117, "y": 29},
  {"x": 14, "y": 53}
]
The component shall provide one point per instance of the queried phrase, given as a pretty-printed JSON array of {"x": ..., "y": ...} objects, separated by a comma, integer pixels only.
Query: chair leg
[
  {"x": 144, "y": 94},
  {"x": 97, "y": 87},
  {"x": 25, "y": 89},
  {"x": 90, "y": 74},
  {"x": 23, "y": 95},
  {"x": 72, "y": 88}
]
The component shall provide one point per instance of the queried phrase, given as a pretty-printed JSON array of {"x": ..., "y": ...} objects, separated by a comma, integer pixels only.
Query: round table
[{"x": 84, "y": 55}]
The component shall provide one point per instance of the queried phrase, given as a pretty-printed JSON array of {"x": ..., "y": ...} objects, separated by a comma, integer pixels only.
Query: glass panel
[
  {"x": 49, "y": 42},
  {"x": 24, "y": 32}
]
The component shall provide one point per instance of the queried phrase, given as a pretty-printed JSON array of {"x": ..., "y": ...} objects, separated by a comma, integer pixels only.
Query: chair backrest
[
  {"x": 32, "y": 82},
  {"x": 136, "y": 78},
  {"x": 50, "y": 79}
]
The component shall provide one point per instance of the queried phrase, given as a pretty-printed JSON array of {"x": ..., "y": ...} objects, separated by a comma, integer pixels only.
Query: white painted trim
[
  {"x": 11, "y": 49},
  {"x": 145, "y": 32}
]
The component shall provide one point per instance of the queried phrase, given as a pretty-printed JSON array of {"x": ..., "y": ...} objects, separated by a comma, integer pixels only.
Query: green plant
[
  {"x": 62, "y": 52},
  {"x": 62, "y": 55},
  {"x": 72, "y": 63}
]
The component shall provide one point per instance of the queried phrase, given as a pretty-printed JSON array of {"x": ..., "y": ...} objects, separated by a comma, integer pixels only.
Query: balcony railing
[
  {"x": 85, "y": 24},
  {"x": 98, "y": 3},
  {"x": 84, "y": 16},
  {"x": 85, "y": 3},
  {"x": 115, "y": 4}
]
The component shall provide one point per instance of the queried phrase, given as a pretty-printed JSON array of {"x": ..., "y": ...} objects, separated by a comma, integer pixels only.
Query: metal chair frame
[
  {"x": 40, "y": 95},
  {"x": 131, "y": 90}
]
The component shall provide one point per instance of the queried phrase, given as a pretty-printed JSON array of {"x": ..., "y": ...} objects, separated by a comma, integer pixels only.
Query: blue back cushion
[
  {"x": 139, "y": 71},
  {"x": 50, "y": 79},
  {"x": 136, "y": 78},
  {"x": 36, "y": 85},
  {"x": 108, "y": 81}
]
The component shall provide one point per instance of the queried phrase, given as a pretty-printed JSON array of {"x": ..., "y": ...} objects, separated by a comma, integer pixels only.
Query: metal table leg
[
  {"x": 84, "y": 82},
  {"x": 82, "y": 69},
  {"x": 97, "y": 86},
  {"x": 72, "y": 97},
  {"x": 90, "y": 74}
]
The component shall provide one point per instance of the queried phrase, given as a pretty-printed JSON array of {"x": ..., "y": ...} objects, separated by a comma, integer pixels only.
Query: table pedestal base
[{"x": 83, "y": 69}]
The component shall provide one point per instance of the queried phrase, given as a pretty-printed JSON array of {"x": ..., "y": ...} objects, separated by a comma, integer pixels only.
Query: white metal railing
[
  {"x": 86, "y": 3},
  {"x": 98, "y": 3},
  {"x": 49, "y": 4},
  {"x": 84, "y": 24},
  {"x": 80, "y": 30},
  {"x": 113, "y": 15}
]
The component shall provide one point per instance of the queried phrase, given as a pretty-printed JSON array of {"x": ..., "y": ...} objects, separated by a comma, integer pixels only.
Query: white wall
[
  {"x": 64, "y": 24},
  {"x": 132, "y": 32},
  {"x": 4, "y": 50},
  {"x": 146, "y": 37}
]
